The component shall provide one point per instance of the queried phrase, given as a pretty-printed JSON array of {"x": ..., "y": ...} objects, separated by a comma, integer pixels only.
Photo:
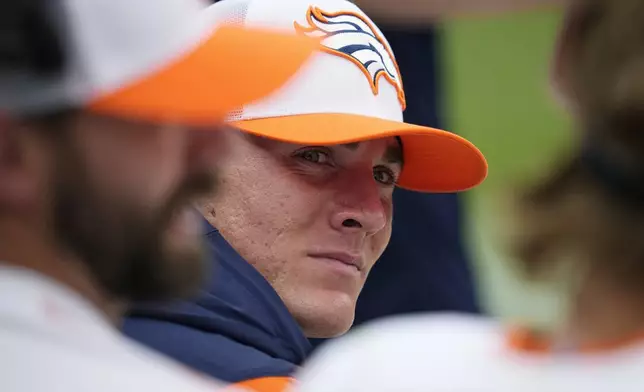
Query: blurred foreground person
[
  {"x": 582, "y": 227},
  {"x": 305, "y": 209},
  {"x": 108, "y": 115}
]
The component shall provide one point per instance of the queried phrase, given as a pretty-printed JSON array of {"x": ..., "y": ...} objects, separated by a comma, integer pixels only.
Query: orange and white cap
[
  {"x": 351, "y": 91},
  {"x": 153, "y": 60}
]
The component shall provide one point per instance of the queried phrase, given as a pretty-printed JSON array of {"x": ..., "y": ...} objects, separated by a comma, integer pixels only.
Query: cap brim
[
  {"x": 435, "y": 160},
  {"x": 232, "y": 67}
]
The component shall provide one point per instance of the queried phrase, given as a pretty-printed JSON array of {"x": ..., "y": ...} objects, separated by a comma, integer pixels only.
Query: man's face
[
  {"x": 121, "y": 202},
  {"x": 312, "y": 219}
]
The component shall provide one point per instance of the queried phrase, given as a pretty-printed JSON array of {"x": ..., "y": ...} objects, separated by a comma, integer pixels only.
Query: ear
[{"x": 17, "y": 182}]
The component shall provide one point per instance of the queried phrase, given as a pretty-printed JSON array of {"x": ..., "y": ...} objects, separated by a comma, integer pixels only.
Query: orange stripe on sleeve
[{"x": 266, "y": 384}]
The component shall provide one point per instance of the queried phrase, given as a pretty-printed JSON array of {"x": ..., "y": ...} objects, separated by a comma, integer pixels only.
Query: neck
[
  {"x": 20, "y": 247},
  {"x": 605, "y": 315}
]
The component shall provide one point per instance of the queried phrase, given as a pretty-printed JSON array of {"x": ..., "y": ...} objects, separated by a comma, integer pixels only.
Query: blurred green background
[{"x": 496, "y": 72}]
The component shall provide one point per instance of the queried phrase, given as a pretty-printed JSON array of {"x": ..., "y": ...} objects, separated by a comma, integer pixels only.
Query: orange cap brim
[
  {"x": 435, "y": 160},
  {"x": 232, "y": 67}
]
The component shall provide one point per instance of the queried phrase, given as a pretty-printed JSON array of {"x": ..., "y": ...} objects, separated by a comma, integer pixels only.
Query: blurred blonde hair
[{"x": 590, "y": 210}]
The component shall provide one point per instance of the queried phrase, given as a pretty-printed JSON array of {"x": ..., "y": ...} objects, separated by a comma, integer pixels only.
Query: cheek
[
  {"x": 268, "y": 196},
  {"x": 148, "y": 170},
  {"x": 274, "y": 209},
  {"x": 380, "y": 240},
  {"x": 266, "y": 214}
]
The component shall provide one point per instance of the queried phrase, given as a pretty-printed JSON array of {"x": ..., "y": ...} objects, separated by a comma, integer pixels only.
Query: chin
[{"x": 326, "y": 319}]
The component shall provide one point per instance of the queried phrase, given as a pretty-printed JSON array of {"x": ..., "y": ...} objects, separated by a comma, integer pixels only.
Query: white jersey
[
  {"x": 52, "y": 340},
  {"x": 461, "y": 354}
]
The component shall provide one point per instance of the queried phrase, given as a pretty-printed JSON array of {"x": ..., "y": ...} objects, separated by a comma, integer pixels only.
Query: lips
[{"x": 348, "y": 258}]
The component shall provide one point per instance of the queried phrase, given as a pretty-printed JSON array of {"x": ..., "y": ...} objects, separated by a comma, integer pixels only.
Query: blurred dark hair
[
  {"x": 30, "y": 43},
  {"x": 29, "y": 39},
  {"x": 590, "y": 210}
]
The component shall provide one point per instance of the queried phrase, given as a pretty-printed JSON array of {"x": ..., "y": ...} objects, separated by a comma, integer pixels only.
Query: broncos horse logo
[{"x": 352, "y": 36}]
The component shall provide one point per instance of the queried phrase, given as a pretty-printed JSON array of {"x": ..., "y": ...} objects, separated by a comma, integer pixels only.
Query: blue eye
[
  {"x": 384, "y": 175},
  {"x": 315, "y": 156}
]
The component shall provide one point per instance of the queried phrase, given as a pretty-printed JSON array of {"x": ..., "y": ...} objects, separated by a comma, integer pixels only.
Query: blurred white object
[
  {"x": 433, "y": 353},
  {"x": 53, "y": 340}
]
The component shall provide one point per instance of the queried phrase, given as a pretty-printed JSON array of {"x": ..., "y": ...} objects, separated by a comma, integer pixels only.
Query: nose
[{"x": 359, "y": 208}]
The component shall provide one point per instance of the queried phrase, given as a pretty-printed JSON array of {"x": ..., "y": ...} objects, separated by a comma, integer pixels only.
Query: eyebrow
[
  {"x": 352, "y": 146},
  {"x": 393, "y": 153}
]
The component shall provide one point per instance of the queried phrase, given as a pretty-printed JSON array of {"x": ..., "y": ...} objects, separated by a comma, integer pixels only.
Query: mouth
[{"x": 351, "y": 260}]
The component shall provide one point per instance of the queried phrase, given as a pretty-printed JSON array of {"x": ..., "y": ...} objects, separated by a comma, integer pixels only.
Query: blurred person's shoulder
[
  {"x": 432, "y": 353},
  {"x": 411, "y": 334},
  {"x": 438, "y": 331},
  {"x": 409, "y": 353},
  {"x": 53, "y": 340}
]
